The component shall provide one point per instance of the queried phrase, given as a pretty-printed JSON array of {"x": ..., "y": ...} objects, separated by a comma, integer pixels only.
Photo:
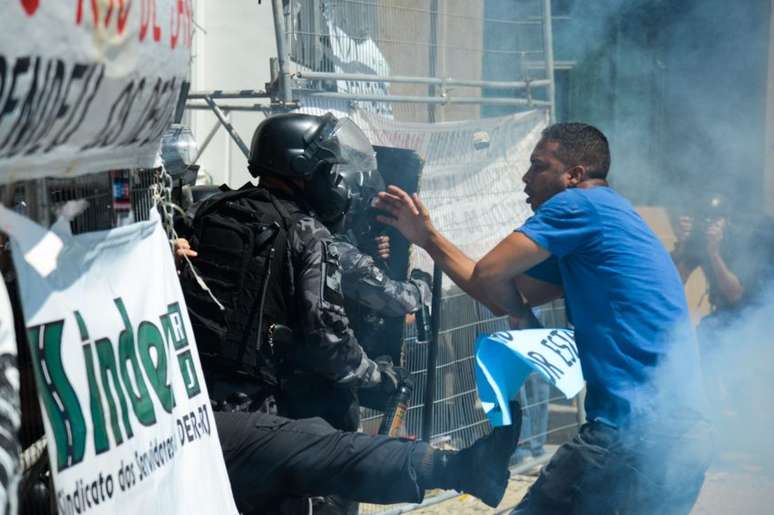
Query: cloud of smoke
[
  {"x": 679, "y": 87},
  {"x": 687, "y": 120},
  {"x": 736, "y": 353}
]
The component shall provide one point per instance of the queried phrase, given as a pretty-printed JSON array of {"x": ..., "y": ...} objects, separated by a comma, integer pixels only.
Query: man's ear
[{"x": 576, "y": 175}]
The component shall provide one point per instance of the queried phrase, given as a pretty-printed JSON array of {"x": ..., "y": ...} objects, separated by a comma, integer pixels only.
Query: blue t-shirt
[{"x": 626, "y": 301}]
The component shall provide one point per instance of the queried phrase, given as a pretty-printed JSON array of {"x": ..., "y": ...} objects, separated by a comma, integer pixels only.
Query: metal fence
[
  {"x": 548, "y": 418},
  {"x": 449, "y": 56},
  {"x": 431, "y": 52},
  {"x": 113, "y": 198}
]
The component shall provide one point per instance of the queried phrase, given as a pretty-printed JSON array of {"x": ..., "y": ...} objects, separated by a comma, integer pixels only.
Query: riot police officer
[{"x": 370, "y": 295}]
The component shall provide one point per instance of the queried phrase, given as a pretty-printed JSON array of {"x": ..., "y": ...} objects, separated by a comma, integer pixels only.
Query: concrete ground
[
  {"x": 734, "y": 486},
  {"x": 466, "y": 504}
]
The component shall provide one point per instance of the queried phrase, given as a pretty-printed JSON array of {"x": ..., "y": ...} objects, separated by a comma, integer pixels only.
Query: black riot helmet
[{"x": 309, "y": 147}]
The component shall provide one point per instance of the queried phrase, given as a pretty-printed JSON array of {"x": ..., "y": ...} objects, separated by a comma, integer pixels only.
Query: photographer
[
  {"x": 709, "y": 241},
  {"x": 736, "y": 259}
]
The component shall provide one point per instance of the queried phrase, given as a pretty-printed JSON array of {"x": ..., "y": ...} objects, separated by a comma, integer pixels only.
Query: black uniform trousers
[
  {"x": 310, "y": 395},
  {"x": 270, "y": 458}
]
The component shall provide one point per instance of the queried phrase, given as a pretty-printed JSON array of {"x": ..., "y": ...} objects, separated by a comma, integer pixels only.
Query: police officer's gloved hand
[
  {"x": 418, "y": 275},
  {"x": 385, "y": 376}
]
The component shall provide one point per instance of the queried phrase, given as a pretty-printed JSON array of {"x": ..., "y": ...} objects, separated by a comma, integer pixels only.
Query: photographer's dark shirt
[{"x": 748, "y": 253}]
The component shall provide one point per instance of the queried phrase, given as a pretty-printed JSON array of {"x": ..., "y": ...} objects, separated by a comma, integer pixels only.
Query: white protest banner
[
  {"x": 125, "y": 406},
  {"x": 88, "y": 85},
  {"x": 475, "y": 193},
  {"x": 9, "y": 408},
  {"x": 505, "y": 359},
  {"x": 360, "y": 56}
]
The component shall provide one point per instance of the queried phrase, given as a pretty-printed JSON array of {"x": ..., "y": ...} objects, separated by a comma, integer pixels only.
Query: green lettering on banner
[
  {"x": 187, "y": 368},
  {"x": 101, "y": 443},
  {"x": 62, "y": 407},
  {"x": 107, "y": 364},
  {"x": 148, "y": 337},
  {"x": 174, "y": 332},
  {"x": 174, "y": 329},
  {"x": 141, "y": 401}
]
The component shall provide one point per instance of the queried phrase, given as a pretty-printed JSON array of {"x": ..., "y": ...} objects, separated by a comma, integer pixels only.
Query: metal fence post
[
  {"x": 548, "y": 50},
  {"x": 435, "y": 313},
  {"x": 285, "y": 92},
  {"x": 223, "y": 118},
  {"x": 432, "y": 355},
  {"x": 36, "y": 196}
]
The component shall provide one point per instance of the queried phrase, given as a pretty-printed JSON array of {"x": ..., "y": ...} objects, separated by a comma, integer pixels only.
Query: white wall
[{"x": 232, "y": 46}]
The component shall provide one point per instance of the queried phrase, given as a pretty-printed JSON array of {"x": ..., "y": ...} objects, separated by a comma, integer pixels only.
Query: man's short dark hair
[{"x": 581, "y": 144}]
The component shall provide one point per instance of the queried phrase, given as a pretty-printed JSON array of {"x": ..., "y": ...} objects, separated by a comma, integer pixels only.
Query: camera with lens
[{"x": 714, "y": 207}]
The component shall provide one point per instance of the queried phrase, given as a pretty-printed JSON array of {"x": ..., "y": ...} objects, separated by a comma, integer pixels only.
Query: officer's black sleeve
[
  {"x": 330, "y": 347},
  {"x": 367, "y": 284}
]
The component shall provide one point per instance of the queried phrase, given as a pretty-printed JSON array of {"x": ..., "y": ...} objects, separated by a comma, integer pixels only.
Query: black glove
[
  {"x": 421, "y": 276},
  {"x": 385, "y": 376}
]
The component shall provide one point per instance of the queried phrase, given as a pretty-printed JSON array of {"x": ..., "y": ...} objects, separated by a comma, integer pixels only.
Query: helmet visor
[{"x": 349, "y": 145}]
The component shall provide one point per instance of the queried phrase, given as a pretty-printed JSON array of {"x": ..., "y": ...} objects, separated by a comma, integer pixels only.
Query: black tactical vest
[{"x": 241, "y": 237}]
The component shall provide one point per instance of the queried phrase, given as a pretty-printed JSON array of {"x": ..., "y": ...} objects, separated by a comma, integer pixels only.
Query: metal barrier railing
[
  {"x": 547, "y": 417},
  {"x": 390, "y": 56},
  {"x": 442, "y": 43},
  {"x": 113, "y": 198}
]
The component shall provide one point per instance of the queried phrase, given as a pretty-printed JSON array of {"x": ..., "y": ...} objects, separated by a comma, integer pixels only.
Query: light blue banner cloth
[{"x": 505, "y": 359}]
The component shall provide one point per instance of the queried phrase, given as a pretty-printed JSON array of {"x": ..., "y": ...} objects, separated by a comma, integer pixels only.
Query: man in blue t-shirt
[{"x": 645, "y": 447}]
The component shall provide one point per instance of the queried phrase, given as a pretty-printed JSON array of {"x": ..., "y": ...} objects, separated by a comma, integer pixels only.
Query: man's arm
[
  {"x": 495, "y": 274},
  {"x": 366, "y": 283},
  {"x": 729, "y": 284},
  {"x": 538, "y": 292},
  {"x": 491, "y": 280},
  {"x": 683, "y": 261}
]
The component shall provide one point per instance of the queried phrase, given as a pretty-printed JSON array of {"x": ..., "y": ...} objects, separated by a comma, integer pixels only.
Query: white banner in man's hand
[
  {"x": 88, "y": 86},
  {"x": 505, "y": 359},
  {"x": 125, "y": 406}
]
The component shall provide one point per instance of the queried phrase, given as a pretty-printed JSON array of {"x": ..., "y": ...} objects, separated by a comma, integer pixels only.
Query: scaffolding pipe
[
  {"x": 429, "y": 100},
  {"x": 250, "y": 108},
  {"x": 548, "y": 49},
  {"x": 435, "y": 310},
  {"x": 242, "y": 93},
  {"x": 364, "y": 77},
  {"x": 285, "y": 91},
  {"x": 223, "y": 119},
  {"x": 432, "y": 356}
]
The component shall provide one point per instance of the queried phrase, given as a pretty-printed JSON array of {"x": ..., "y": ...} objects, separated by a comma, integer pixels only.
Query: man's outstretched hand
[{"x": 407, "y": 214}]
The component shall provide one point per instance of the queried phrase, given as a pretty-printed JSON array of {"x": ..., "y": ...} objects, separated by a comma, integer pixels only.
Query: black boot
[{"x": 480, "y": 470}]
